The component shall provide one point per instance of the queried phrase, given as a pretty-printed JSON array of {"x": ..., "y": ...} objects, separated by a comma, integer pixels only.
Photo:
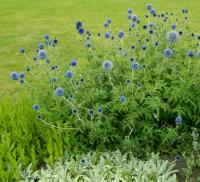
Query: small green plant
[{"x": 101, "y": 167}]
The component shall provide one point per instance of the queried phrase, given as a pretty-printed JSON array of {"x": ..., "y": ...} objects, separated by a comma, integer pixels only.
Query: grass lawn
[{"x": 24, "y": 22}]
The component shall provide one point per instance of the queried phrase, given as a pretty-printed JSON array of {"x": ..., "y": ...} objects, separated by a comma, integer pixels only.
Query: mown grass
[{"x": 23, "y": 24}]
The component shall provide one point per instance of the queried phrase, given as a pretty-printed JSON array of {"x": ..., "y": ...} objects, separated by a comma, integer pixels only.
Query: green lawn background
[{"x": 23, "y": 23}]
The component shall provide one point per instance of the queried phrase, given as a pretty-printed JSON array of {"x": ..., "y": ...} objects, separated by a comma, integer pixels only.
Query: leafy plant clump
[
  {"x": 134, "y": 91},
  {"x": 104, "y": 167}
]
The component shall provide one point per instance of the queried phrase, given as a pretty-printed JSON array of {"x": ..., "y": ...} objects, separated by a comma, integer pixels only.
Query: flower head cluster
[
  {"x": 107, "y": 65},
  {"x": 172, "y": 36}
]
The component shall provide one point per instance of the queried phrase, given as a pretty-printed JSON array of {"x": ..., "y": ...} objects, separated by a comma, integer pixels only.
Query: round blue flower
[
  {"x": 144, "y": 27},
  {"x": 151, "y": 24},
  {"x": 172, "y": 36},
  {"x": 41, "y": 46},
  {"x": 79, "y": 24},
  {"x": 120, "y": 34},
  {"x": 129, "y": 16},
  {"x": 81, "y": 31},
  {"x": 22, "y": 75},
  {"x": 149, "y": 6},
  {"x": 69, "y": 74},
  {"x": 144, "y": 48},
  {"x": 52, "y": 80},
  {"x": 34, "y": 58},
  {"x": 46, "y": 36},
  {"x": 132, "y": 24},
  {"x": 168, "y": 52},
  {"x": 109, "y": 21},
  {"x": 22, "y": 50},
  {"x": 100, "y": 109},
  {"x": 107, "y": 65},
  {"x": 130, "y": 10},
  {"x": 122, "y": 99},
  {"x": 90, "y": 112},
  {"x": 36, "y": 107},
  {"x": 42, "y": 54},
  {"x": 135, "y": 65},
  {"x": 178, "y": 120},
  {"x": 151, "y": 31},
  {"x": 59, "y": 91},
  {"x": 198, "y": 54},
  {"x": 14, "y": 75},
  {"x": 134, "y": 18},
  {"x": 173, "y": 26},
  {"x": 88, "y": 45},
  {"x": 106, "y": 24},
  {"x": 153, "y": 11},
  {"x": 21, "y": 81},
  {"x": 190, "y": 54},
  {"x": 177, "y": 157},
  {"x": 55, "y": 40},
  {"x": 73, "y": 62},
  {"x": 107, "y": 35}
]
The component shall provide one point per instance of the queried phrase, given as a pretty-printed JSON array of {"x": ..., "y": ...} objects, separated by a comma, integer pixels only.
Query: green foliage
[{"x": 101, "y": 167}]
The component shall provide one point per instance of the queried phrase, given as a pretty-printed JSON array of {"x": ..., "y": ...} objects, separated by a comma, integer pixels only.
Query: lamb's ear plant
[{"x": 101, "y": 167}]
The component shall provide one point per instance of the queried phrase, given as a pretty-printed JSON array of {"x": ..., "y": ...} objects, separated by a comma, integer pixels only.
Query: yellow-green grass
[{"x": 23, "y": 23}]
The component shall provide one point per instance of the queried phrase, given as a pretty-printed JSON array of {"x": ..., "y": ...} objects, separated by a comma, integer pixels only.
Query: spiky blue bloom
[
  {"x": 69, "y": 74},
  {"x": 107, "y": 35},
  {"x": 39, "y": 117},
  {"x": 134, "y": 18},
  {"x": 168, "y": 52},
  {"x": 122, "y": 98},
  {"x": 120, "y": 34},
  {"x": 46, "y": 36},
  {"x": 14, "y": 75},
  {"x": 151, "y": 24},
  {"x": 59, "y": 91},
  {"x": 153, "y": 11},
  {"x": 135, "y": 65},
  {"x": 107, "y": 65},
  {"x": 22, "y": 75},
  {"x": 177, "y": 157},
  {"x": 106, "y": 24},
  {"x": 190, "y": 53},
  {"x": 178, "y": 120},
  {"x": 129, "y": 16},
  {"x": 198, "y": 54},
  {"x": 36, "y": 107},
  {"x": 149, "y": 6},
  {"x": 81, "y": 31},
  {"x": 55, "y": 40},
  {"x": 144, "y": 27},
  {"x": 79, "y": 24},
  {"x": 100, "y": 109},
  {"x": 53, "y": 80},
  {"x": 132, "y": 24},
  {"x": 130, "y": 10},
  {"x": 172, "y": 36},
  {"x": 41, "y": 46},
  {"x": 173, "y": 26},
  {"x": 73, "y": 62},
  {"x": 28, "y": 68},
  {"x": 151, "y": 31},
  {"x": 22, "y": 50},
  {"x": 144, "y": 48},
  {"x": 42, "y": 54}
]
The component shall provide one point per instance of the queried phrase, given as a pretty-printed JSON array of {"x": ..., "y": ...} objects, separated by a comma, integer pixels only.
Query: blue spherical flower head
[
  {"x": 191, "y": 54},
  {"x": 81, "y": 31},
  {"x": 144, "y": 27},
  {"x": 135, "y": 65},
  {"x": 46, "y": 36},
  {"x": 73, "y": 62},
  {"x": 106, "y": 24},
  {"x": 122, "y": 98},
  {"x": 178, "y": 120},
  {"x": 69, "y": 74},
  {"x": 79, "y": 24},
  {"x": 134, "y": 18},
  {"x": 198, "y": 54},
  {"x": 177, "y": 157},
  {"x": 172, "y": 36},
  {"x": 151, "y": 25},
  {"x": 153, "y": 11},
  {"x": 107, "y": 35},
  {"x": 120, "y": 34},
  {"x": 34, "y": 58},
  {"x": 132, "y": 24},
  {"x": 173, "y": 26},
  {"x": 88, "y": 45},
  {"x": 109, "y": 21},
  {"x": 59, "y": 91},
  {"x": 22, "y": 75},
  {"x": 28, "y": 68},
  {"x": 107, "y": 65},
  {"x": 22, "y": 50},
  {"x": 129, "y": 16},
  {"x": 100, "y": 109},
  {"x": 41, "y": 46},
  {"x": 149, "y": 6},
  {"x": 36, "y": 107},
  {"x": 42, "y": 54},
  {"x": 130, "y": 10},
  {"x": 14, "y": 75},
  {"x": 168, "y": 52}
]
